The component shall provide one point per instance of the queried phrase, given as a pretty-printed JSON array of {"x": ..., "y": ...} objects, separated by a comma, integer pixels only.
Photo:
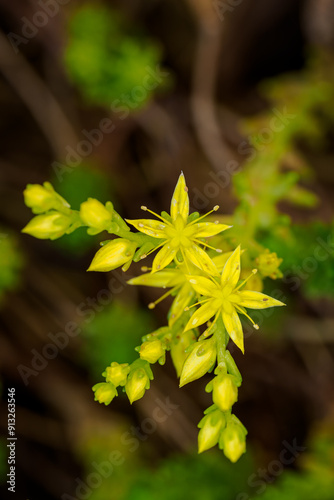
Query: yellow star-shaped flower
[
  {"x": 226, "y": 299},
  {"x": 179, "y": 234}
]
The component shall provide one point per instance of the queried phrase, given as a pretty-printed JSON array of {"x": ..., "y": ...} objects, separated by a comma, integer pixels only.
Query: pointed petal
[
  {"x": 202, "y": 285},
  {"x": 159, "y": 279},
  {"x": 151, "y": 227},
  {"x": 231, "y": 272},
  {"x": 200, "y": 258},
  {"x": 164, "y": 257},
  {"x": 207, "y": 229},
  {"x": 202, "y": 315},
  {"x": 234, "y": 329},
  {"x": 182, "y": 300},
  {"x": 180, "y": 200},
  {"x": 255, "y": 300}
]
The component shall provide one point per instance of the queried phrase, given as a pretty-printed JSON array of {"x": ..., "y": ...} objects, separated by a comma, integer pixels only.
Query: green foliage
[
  {"x": 113, "y": 334},
  {"x": 104, "y": 57},
  {"x": 11, "y": 263},
  {"x": 203, "y": 477}
]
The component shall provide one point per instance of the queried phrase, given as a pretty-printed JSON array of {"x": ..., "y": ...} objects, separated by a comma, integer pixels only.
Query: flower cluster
[{"x": 210, "y": 292}]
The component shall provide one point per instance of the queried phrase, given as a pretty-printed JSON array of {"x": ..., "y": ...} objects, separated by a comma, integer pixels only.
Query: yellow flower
[
  {"x": 226, "y": 299},
  {"x": 104, "y": 392},
  {"x": 116, "y": 253},
  {"x": 95, "y": 215},
  {"x": 268, "y": 264},
  {"x": 199, "y": 361},
  {"x": 138, "y": 380},
  {"x": 117, "y": 373},
  {"x": 152, "y": 350},
  {"x": 233, "y": 439},
  {"x": 43, "y": 198},
  {"x": 211, "y": 426},
  {"x": 51, "y": 226},
  {"x": 180, "y": 236}
]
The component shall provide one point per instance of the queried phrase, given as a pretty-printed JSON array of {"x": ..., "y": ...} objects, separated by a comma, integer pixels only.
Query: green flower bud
[
  {"x": 43, "y": 198},
  {"x": 104, "y": 392},
  {"x": 268, "y": 264},
  {"x": 178, "y": 349},
  {"x": 95, "y": 215},
  {"x": 151, "y": 351},
  {"x": 225, "y": 391},
  {"x": 211, "y": 426},
  {"x": 112, "y": 255},
  {"x": 48, "y": 226},
  {"x": 117, "y": 373},
  {"x": 233, "y": 441},
  {"x": 138, "y": 381},
  {"x": 199, "y": 361}
]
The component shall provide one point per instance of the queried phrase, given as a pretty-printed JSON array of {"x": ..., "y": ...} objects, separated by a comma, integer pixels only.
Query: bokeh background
[{"x": 112, "y": 100}]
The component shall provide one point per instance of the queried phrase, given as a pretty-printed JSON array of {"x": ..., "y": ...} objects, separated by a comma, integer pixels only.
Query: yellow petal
[
  {"x": 159, "y": 279},
  {"x": 204, "y": 286},
  {"x": 150, "y": 227},
  {"x": 180, "y": 200},
  {"x": 181, "y": 301},
  {"x": 164, "y": 257},
  {"x": 234, "y": 329},
  {"x": 201, "y": 259},
  {"x": 231, "y": 272},
  {"x": 203, "y": 314},
  {"x": 207, "y": 229},
  {"x": 255, "y": 300}
]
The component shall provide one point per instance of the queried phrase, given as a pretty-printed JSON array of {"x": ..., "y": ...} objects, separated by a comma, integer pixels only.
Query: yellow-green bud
[
  {"x": 138, "y": 381},
  {"x": 117, "y": 373},
  {"x": 104, "y": 392},
  {"x": 199, "y": 361},
  {"x": 94, "y": 214},
  {"x": 211, "y": 426},
  {"x": 268, "y": 264},
  {"x": 225, "y": 392},
  {"x": 43, "y": 198},
  {"x": 113, "y": 255},
  {"x": 233, "y": 441},
  {"x": 178, "y": 349},
  {"x": 151, "y": 351},
  {"x": 48, "y": 226}
]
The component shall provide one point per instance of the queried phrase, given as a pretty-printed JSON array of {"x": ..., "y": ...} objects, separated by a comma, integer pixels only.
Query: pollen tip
[
  {"x": 215, "y": 208},
  {"x": 144, "y": 269},
  {"x": 254, "y": 271},
  {"x": 256, "y": 326},
  {"x": 216, "y": 222},
  {"x": 151, "y": 305},
  {"x": 143, "y": 256},
  {"x": 143, "y": 208},
  {"x": 219, "y": 250},
  {"x": 186, "y": 308}
]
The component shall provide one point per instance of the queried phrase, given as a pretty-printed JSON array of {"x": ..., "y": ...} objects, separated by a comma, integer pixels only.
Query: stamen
[
  {"x": 205, "y": 215},
  {"x": 197, "y": 303},
  {"x": 160, "y": 299},
  {"x": 156, "y": 215},
  {"x": 144, "y": 269},
  {"x": 254, "y": 271},
  {"x": 242, "y": 311},
  {"x": 218, "y": 250}
]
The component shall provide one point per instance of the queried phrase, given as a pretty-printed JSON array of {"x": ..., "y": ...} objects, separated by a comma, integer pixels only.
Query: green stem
[{"x": 221, "y": 343}]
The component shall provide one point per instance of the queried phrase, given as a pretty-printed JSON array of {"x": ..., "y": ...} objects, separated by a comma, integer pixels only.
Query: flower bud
[
  {"x": 48, "y": 226},
  {"x": 112, "y": 255},
  {"x": 233, "y": 441},
  {"x": 268, "y": 264},
  {"x": 94, "y": 214},
  {"x": 117, "y": 373},
  {"x": 138, "y": 381},
  {"x": 199, "y": 361},
  {"x": 43, "y": 198},
  {"x": 178, "y": 349},
  {"x": 151, "y": 351},
  {"x": 211, "y": 426},
  {"x": 104, "y": 392},
  {"x": 225, "y": 391}
]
